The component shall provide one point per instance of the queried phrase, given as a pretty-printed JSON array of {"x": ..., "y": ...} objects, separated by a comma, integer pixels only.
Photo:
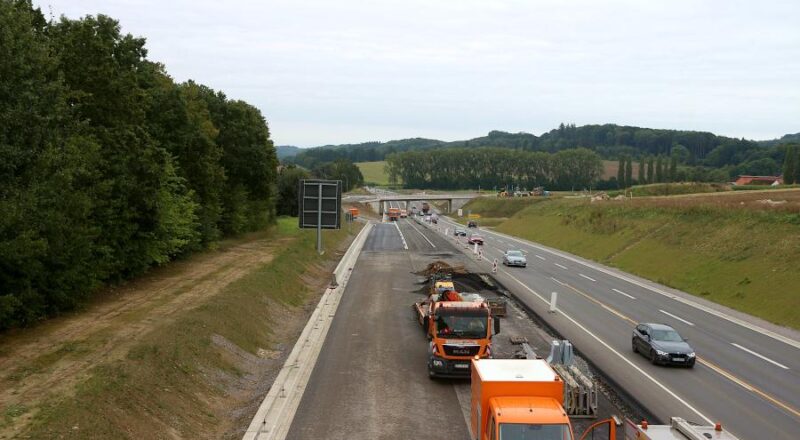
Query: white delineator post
[
  {"x": 475, "y": 249},
  {"x": 494, "y": 266},
  {"x": 553, "y": 299},
  {"x": 480, "y": 254}
]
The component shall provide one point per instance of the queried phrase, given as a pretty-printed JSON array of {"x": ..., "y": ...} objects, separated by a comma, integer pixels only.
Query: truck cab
[
  {"x": 458, "y": 331},
  {"x": 517, "y": 399}
]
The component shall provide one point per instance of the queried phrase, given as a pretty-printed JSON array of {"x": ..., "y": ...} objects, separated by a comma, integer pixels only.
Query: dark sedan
[
  {"x": 460, "y": 232},
  {"x": 662, "y": 345}
]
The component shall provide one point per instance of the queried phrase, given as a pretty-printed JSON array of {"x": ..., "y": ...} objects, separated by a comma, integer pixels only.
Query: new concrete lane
[
  {"x": 760, "y": 407},
  {"x": 370, "y": 381}
]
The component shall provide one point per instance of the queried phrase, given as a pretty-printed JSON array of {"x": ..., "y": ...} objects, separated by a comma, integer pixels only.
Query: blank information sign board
[{"x": 320, "y": 204}]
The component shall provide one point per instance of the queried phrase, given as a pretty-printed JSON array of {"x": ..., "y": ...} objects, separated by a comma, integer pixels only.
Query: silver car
[{"x": 515, "y": 258}]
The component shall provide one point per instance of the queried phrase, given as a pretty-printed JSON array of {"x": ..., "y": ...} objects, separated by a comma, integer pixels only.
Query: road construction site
[{"x": 371, "y": 377}]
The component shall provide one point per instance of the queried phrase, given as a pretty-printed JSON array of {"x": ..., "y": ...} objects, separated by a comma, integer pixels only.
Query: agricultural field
[
  {"x": 739, "y": 249},
  {"x": 374, "y": 173}
]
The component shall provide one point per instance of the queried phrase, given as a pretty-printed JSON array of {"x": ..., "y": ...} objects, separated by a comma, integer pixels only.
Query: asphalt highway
[{"x": 745, "y": 378}]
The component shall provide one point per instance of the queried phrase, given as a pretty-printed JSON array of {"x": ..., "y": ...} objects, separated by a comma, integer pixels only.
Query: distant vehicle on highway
[
  {"x": 394, "y": 214},
  {"x": 472, "y": 224},
  {"x": 662, "y": 345},
  {"x": 475, "y": 238},
  {"x": 434, "y": 218},
  {"x": 515, "y": 258},
  {"x": 460, "y": 232},
  {"x": 403, "y": 213}
]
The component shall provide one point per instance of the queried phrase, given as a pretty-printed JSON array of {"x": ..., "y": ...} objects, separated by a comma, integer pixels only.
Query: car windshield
[
  {"x": 667, "y": 336},
  {"x": 514, "y": 253},
  {"x": 524, "y": 431},
  {"x": 461, "y": 326}
]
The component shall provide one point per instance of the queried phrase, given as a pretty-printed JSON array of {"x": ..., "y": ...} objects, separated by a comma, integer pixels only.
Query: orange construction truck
[
  {"x": 393, "y": 214},
  {"x": 353, "y": 212},
  {"x": 458, "y": 331},
  {"x": 520, "y": 399}
]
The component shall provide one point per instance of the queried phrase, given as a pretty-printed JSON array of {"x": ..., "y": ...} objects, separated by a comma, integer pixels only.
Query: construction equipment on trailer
[
  {"x": 521, "y": 398},
  {"x": 678, "y": 429}
]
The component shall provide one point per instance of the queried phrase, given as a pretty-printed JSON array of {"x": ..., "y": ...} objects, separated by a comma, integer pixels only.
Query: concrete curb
[{"x": 274, "y": 417}]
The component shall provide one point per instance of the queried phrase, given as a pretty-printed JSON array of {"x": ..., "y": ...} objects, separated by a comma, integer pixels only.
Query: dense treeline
[
  {"x": 704, "y": 152},
  {"x": 107, "y": 166},
  {"x": 462, "y": 168}
]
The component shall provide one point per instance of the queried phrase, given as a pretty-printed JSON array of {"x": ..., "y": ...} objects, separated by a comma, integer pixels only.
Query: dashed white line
[
  {"x": 556, "y": 280},
  {"x": 759, "y": 355},
  {"x": 563, "y": 267},
  {"x": 623, "y": 293},
  {"x": 676, "y": 317},
  {"x": 541, "y": 257},
  {"x": 588, "y": 278}
]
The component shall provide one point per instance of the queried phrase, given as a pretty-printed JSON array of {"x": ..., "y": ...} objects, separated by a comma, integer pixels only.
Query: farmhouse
[{"x": 759, "y": 180}]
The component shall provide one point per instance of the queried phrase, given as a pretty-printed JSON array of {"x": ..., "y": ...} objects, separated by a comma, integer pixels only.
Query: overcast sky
[{"x": 342, "y": 71}]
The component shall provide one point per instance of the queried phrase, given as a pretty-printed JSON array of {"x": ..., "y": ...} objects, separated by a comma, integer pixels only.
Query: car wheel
[
  {"x": 633, "y": 346},
  {"x": 653, "y": 357}
]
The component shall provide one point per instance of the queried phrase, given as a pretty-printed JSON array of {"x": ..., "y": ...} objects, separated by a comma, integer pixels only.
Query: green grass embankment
[
  {"x": 193, "y": 377},
  {"x": 734, "y": 249}
]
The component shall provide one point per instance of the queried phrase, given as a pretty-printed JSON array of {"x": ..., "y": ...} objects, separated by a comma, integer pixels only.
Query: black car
[
  {"x": 662, "y": 345},
  {"x": 458, "y": 232},
  {"x": 472, "y": 224}
]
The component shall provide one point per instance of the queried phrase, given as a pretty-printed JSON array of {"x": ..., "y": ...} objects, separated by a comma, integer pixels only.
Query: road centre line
[
  {"x": 676, "y": 317},
  {"x": 563, "y": 267},
  {"x": 612, "y": 350},
  {"x": 759, "y": 355},
  {"x": 587, "y": 277},
  {"x": 623, "y": 293},
  {"x": 709, "y": 310},
  {"x": 420, "y": 233},
  {"x": 541, "y": 257},
  {"x": 402, "y": 237}
]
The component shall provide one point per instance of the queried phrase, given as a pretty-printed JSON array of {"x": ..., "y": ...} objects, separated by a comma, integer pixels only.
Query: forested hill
[
  {"x": 610, "y": 141},
  {"x": 109, "y": 167}
]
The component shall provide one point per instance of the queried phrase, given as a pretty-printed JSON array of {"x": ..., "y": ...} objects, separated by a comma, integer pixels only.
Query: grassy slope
[
  {"x": 176, "y": 382},
  {"x": 374, "y": 173},
  {"x": 732, "y": 250}
]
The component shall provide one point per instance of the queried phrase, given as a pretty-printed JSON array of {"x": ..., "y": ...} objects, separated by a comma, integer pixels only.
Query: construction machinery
[
  {"x": 521, "y": 398},
  {"x": 425, "y": 207}
]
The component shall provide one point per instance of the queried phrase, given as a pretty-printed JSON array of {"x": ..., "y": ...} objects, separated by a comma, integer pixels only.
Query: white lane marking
[
  {"x": 563, "y": 267},
  {"x": 541, "y": 257},
  {"x": 559, "y": 282},
  {"x": 588, "y": 278},
  {"x": 402, "y": 237},
  {"x": 753, "y": 327},
  {"x": 676, "y": 317},
  {"x": 524, "y": 251},
  {"x": 612, "y": 350},
  {"x": 423, "y": 235},
  {"x": 623, "y": 293},
  {"x": 759, "y": 355}
]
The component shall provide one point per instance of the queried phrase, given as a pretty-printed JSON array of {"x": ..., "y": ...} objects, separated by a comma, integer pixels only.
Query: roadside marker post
[
  {"x": 494, "y": 266},
  {"x": 475, "y": 249},
  {"x": 480, "y": 254}
]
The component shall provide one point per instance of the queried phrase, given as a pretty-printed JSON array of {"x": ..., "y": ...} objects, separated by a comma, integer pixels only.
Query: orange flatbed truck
[
  {"x": 520, "y": 399},
  {"x": 458, "y": 331},
  {"x": 393, "y": 214}
]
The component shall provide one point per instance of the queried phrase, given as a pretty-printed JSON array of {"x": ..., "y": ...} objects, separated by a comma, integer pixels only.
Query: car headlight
[
  {"x": 661, "y": 353},
  {"x": 437, "y": 363},
  {"x": 691, "y": 355}
]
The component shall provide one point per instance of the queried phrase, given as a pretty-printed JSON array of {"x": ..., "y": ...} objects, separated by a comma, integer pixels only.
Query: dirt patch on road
[{"x": 51, "y": 359}]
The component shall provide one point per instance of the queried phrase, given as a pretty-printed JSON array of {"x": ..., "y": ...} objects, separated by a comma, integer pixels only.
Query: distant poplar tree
[
  {"x": 629, "y": 172},
  {"x": 790, "y": 165},
  {"x": 659, "y": 169},
  {"x": 621, "y": 173},
  {"x": 642, "y": 166},
  {"x": 673, "y": 169},
  {"x": 650, "y": 171}
]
